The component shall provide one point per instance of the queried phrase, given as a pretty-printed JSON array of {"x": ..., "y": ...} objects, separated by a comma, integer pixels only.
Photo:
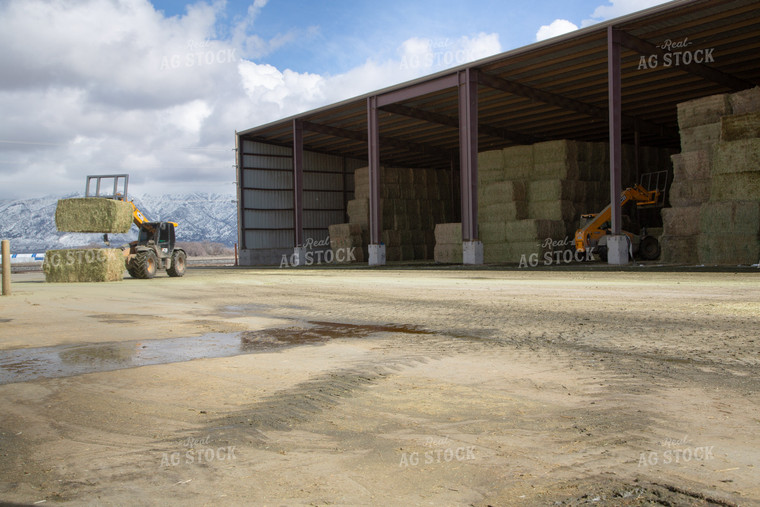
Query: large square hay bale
[
  {"x": 745, "y": 101},
  {"x": 448, "y": 253},
  {"x": 691, "y": 165},
  {"x": 553, "y": 190},
  {"x": 735, "y": 187},
  {"x": 690, "y": 193},
  {"x": 493, "y": 232},
  {"x": 448, "y": 233},
  {"x": 736, "y": 217},
  {"x": 85, "y": 265},
  {"x": 736, "y": 157},
  {"x": 93, "y": 214},
  {"x": 495, "y": 253},
  {"x": 701, "y": 137},
  {"x": 503, "y": 192},
  {"x": 681, "y": 221},
  {"x": 553, "y": 210},
  {"x": 344, "y": 230},
  {"x": 531, "y": 229},
  {"x": 503, "y": 212},
  {"x": 703, "y": 110},
  {"x": 561, "y": 151},
  {"x": 680, "y": 249},
  {"x": 488, "y": 160},
  {"x": 740, "y": 126},
  {"x": 358, "y": 212},
  {"x": 731, "y": 249}
]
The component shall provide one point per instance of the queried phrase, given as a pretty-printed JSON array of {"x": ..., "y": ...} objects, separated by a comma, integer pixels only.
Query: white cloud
[
  {"x": 556, "y": 27},
  {"x": 99, "y": 86},
  {"x": 617, "y": 8}
]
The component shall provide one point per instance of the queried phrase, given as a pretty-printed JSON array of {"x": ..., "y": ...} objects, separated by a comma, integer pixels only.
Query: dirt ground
[{"x": 384, "y": 387}]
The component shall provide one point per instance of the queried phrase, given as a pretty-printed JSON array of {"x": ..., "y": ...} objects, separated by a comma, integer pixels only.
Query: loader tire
[
  {"x": 649, "y": 248},
  {"x": 144, "y": 264},
  {"x": 179, "y": 262}
]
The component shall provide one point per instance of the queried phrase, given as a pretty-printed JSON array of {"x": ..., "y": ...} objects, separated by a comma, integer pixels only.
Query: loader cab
[{"x": 161, "y": 234}]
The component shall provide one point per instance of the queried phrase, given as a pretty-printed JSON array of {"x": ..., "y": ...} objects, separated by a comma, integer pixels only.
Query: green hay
[
  {"x": 692, "y": 165},
  {"x": 692, "y": 193},
  {"x": 344, "y": 230},
  {"x": 558, "y": 170},
  {"x": 86, "y": 265},
  {"x": 740, "y": 126},
  {"x": 448, "y": 254},
  {"x": 492, "y": 232},
  {"x": 745, "y": 101},
  {"x": 729, "y": 249},
  {"x": 679, "y": 249},
  {"x": 529, "y": 230},
  {"x": 703, "y": 110},
  {"x": 450, "y": 233},
  {"x": 489, "y": 161},
  {"x": 730, "y": 217},
  {"x": 550, "y": 152},
  {"x": 358, "y": 212},
  {"x": 503, "y": 192},
  {"x": 701, "y": 137},
  {"x": 554, "y": 210},
  {"x": 506, "y": 212},
  {"x": 93, "y": 214},
  {"x": 742, "y": 156},
  {"x": 553, "y": 190},
  {"x": 681, "y": 221},
  {"x": 735, "y": 187}
]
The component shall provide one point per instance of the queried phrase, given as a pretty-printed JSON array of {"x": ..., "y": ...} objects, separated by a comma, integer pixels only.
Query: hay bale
[
  {"x": 680, "y": 249},
  {"x": 740, "y": 126},
  {"x": 703, "y": 110},
  {"x": 736, "y": 157},
  {"x": 553, "y": 190},
  {"x": 681, "y": 221},
  {"x": 503, "y": 192},
  {"x": 504, "y": 212},
  {"x": 489, "y": 160},
  {"x": 553, "y": 210},
  {"x": 735, "y": 217},
  {"x": 495, "y": 253},
  {"x": 448, "y": 253},
  {"x": 448, "y": 233},
  {"x": 560, "y": 170},
  {"x": 745, "y": 101},
  {"x": 691, "y": 193},
  {"x": 692, "y": 165},
  {"x": 532, "y": 229},
  {"x": 393, "y": 253},
  {"x": 518, "y": 161},
  {"x": 701, "y": 137},
  {"x": 562, "y": 150},
  {"x": 358, "y": 212},
  {"x": 344, "y": 230},
  {"x": 735, "y": 187},
  {"x": 85, "y": 265},
  {"x": 493, "y": 232},
  {"x": 93, "y": 214},
  {"x": 729, "y": 249}
]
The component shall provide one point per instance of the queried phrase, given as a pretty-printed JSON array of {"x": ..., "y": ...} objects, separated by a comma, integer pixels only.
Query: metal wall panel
[
  {"x": 322, "y": 181},
  {"x": 267, "y": 199},
  {"x": 263, "y": 179},
  {"x": 322, "y": 219},
  {"x": 266, "y": 149},
  {"x": 322, "y": 200},
  {"x": 263, "y": 162},
  {"x": 269, "y": 219},
  {"x": 320, "y": 162},
  {"x": 268, "y": 239}
]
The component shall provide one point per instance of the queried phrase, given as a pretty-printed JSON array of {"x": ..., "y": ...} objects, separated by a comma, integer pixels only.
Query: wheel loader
[
  {"x": 595, "y": 227},
  {"x": 155, "y": 247}
]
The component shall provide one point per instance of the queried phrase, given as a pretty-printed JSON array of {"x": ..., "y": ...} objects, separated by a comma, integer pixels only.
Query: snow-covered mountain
[{"x": 30, "y": 223}]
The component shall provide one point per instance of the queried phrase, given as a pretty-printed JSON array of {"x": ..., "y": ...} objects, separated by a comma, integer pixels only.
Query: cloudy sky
[{"x": 157, "y": 88}]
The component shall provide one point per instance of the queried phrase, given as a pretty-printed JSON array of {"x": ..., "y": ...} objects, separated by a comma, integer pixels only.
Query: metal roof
[{"x": 554, "y": 89}]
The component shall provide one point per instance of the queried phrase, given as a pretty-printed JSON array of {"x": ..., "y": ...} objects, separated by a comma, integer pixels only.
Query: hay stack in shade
[
  {"x": 93, "y": 214},
  {"x": 345, "y": 238},
  {"x": 448, "y": 243},
  {"x": 85, "y": 265}
]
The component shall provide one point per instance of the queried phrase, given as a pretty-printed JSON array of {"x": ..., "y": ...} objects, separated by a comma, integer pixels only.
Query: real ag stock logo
[{"x": 675, "y": 54}]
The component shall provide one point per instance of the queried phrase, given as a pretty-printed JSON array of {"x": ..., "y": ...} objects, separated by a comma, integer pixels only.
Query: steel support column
[
  {"x": 468, "y": 152},
  {"x": 373, "y": 139},
  {"x": 298, "y": 182},
  {"x": 616, "y": 133}
]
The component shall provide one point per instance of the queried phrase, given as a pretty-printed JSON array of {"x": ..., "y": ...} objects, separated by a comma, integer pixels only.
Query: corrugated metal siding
[{"x": 267, "y": 194}]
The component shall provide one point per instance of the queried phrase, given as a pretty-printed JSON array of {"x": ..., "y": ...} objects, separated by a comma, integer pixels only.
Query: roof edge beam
[
  {"x": 563, "y": 102},
  {"x": 645, "y": 47},
  {"x": 442, "y": 119},
  {"x": 393, "y": 142},
  {"x": 418, "y": 90}
]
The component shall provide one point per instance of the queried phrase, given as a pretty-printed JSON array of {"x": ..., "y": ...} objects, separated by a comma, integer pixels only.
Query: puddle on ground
[{"x": 23, "y": 365}]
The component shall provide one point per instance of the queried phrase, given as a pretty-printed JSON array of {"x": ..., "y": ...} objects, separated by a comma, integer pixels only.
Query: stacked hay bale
[
  {"x": 346, "y": 239},
  {"x": 89, "y": 214},
  {"x": 93, "y": 214},
  {"x": 412, "y": 202},
  {"x": 85, "y": 265},
  {"x": 699, "y": 124},
  {"x": 729, "y": 224},
  {"x": 448, "y": 243}
]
